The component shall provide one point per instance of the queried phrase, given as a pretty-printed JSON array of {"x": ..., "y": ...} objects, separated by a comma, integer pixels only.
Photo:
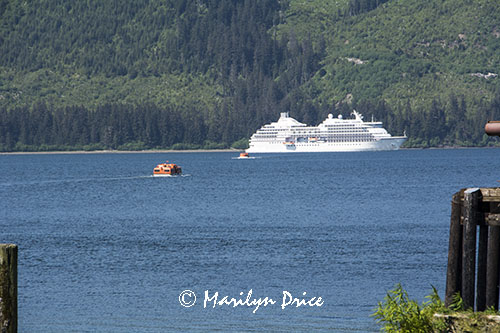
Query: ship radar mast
[{"x": 357, "y": 115}]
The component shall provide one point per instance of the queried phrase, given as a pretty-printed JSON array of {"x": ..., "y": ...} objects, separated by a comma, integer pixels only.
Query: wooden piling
[
  {"x": 471, "y": 204},
  {"x": 482, "y": 251},
  {"x": 492, "y": 267},
  {"x": 8, "y": 288},
  {"x": 476, "y": 279},
  {"x": 454, "y": 271}
]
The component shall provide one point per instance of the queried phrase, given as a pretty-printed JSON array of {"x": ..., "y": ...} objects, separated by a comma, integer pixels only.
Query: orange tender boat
[
  {"x": 167, "y": 169},
  {"x": 245, "y": 156}
]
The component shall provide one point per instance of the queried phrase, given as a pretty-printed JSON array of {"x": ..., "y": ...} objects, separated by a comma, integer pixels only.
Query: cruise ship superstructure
[{"x": 332, "y": 135}]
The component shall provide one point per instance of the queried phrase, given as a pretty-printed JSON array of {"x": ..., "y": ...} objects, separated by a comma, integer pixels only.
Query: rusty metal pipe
[{"x": 492, "y": 128}]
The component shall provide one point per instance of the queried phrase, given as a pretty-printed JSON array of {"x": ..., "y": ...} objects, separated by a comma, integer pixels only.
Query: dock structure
[
  {"x": 8, "y": 288},
  {"x": 474, "y": 248}
]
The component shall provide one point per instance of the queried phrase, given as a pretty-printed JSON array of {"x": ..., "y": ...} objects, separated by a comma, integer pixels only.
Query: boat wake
[
  {"x": 245, "y": 158},
  {"x": 75, "y": 180}
]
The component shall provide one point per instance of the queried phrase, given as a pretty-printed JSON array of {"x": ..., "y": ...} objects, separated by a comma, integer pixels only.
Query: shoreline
[
  {"x": 120, "y": 151},
  {"x": 227, "y": 150}
]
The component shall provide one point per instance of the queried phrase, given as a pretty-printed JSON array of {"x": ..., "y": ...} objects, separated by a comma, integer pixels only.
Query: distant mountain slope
[
  {"x": 425, "y": 67},
  {"x": 415, "y": 56},
  {"x": 411, "y": 48}
]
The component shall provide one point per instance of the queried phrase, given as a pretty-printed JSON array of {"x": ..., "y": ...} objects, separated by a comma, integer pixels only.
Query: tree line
[
  {"x": 259, "y": 71},
  {"x": 137, "y": 127},
  {"x": 113, "y": 126},
  {"x": 447, "y": 122}
]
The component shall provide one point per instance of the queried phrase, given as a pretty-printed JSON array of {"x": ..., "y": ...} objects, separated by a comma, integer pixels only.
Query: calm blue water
[{"x": 104, "y": 247}]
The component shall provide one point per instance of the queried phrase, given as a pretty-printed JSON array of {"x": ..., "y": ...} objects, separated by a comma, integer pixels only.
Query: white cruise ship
[{"x": 332, "y": 135}]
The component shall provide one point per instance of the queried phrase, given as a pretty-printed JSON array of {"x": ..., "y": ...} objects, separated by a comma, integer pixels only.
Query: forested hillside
[{"x": 137, "y": 74}]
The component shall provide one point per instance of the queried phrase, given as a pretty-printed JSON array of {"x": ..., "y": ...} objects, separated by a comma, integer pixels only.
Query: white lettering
[
  {"x": 255, "y": 303},
  {"x": 208, "y": 299},
  {"x": 289, "y": 300},
  {"x": 234, "y": 302},
  {"x": 286, "y": 295}
]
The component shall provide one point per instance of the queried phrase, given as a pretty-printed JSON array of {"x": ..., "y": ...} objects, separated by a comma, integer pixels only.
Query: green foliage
[
  {"x": 93, "y": 147},
  {"x": 457, "y": 303},
  {"x": 467, "y": 320},
  {"x": 135, "y": 145},
  {"x": 185, "y": 146},
  {"x": 240, "y": 144},
  {"x": 207, "y": 144},
  {"x": 398, "y": 313},
  {"x": 219, "y": 70},
  {"x": 416, "y": 53}
]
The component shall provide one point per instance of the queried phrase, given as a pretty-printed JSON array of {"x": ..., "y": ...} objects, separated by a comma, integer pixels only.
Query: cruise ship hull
[
  {"x": 392, "y": 143},
  {"x": 287, "y": 135}
]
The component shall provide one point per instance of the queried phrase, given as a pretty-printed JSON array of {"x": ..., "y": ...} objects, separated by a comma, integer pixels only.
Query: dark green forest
[{"x": 143, "y": 74}]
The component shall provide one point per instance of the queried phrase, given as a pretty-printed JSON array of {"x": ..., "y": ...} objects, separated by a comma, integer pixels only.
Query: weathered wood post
[
  {"x": 454, "y": 271},
  {"x": 492, "y": 267},
  {"x": 482, "y": 258},
  {"x": 477, "y": 281},
  {"x": 492, "y": 128},
  {"x": 8, "y": 288},
  {"x": 471, "y": 205}
]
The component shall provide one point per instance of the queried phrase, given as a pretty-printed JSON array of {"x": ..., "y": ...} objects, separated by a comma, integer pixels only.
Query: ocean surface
[{"x": 105, "y": 247}]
